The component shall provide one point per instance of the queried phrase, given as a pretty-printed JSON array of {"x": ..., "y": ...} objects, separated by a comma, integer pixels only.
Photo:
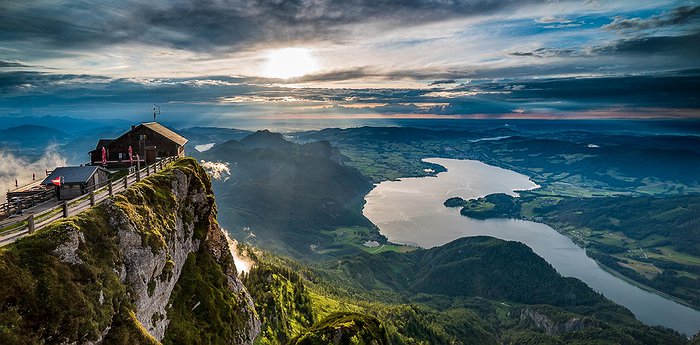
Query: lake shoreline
[
  {"x": 411, "y": 210},
  {"x": 604, "y": 267}
]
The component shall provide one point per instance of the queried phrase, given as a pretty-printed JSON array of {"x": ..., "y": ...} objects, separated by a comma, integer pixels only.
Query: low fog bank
[{"x": 21, "y": 169}]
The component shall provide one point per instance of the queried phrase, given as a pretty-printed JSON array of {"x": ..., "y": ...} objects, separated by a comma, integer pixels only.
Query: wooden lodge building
[{"x": 149, "y": 141}]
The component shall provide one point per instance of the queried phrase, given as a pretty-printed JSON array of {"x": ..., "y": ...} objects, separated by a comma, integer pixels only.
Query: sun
[{"x": 289, "y": 63}]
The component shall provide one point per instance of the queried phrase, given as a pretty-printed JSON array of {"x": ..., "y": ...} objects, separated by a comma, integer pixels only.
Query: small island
[{"x": 498, "y": 205}]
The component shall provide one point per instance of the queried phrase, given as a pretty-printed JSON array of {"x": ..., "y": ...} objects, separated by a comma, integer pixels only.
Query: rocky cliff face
[{"x": 115, "y": 272}]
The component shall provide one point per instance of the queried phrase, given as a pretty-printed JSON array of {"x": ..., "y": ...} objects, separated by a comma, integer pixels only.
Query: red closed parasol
[{"x": 58, "y": 181}]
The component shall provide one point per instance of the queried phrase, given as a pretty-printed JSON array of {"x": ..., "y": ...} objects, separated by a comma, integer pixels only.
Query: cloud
[
  {"x": 678, "y": 16},
  {"x": 441, "y": 76},
  {"x": 442, "y": 81},
  {"x": 217, "y": 170},
  {"x": 209, "y": 24},
  {"x": 675, "y": 90},
  {"x": 684, "y": 47},
  {"x": 19, "y": 168},
  {"x": 552, "y": 20},
  {"x": 204, "y": 100},
  {"x": 336, "y": 75},
  {"x": 549, "y": 52},
  {"x": 13, "y": 64}
]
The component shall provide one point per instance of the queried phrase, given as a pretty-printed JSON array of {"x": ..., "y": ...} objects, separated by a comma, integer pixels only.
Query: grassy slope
[{"x": 43, "y": 299}]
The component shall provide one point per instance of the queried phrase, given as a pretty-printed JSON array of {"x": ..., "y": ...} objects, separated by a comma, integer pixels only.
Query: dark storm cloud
[
  {"x": 37, "y": 89},
  {"x": 683, "y": 47},
  {"x": 484, "y": 96},
  {"x": 13, "y": 64},
  {"x": 674, "y": 90},
  {"x": 206, "y": 24},
  {"x": 549, "y": 52},
  {"x": 677, "y": 16},
  {"x": 496, "y": 98},
  {"x": 686, "y": 46},
  {"x": 442, "y": 81}
]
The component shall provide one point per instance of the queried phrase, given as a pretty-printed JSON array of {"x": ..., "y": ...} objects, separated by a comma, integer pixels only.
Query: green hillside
[
  {"x": 286, "y": 195},
  {"x": 652, "y": 240},
  {"x": 376, "y": 297}
]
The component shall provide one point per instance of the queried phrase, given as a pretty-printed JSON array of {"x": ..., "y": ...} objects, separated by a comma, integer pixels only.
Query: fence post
[
  {"x": 65, "y": 209},
  {"x": 92, "y": 198},
  {"x": 30, "y": 221},
  {"x": 110, "y": 188},
  {"x": 138, "y": 174},
  {"x": 148, "y": 170},
  {"x": 126, "y": 181}
]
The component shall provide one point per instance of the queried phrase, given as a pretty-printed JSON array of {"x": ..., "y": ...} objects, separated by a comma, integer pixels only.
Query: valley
[
  {"x": 410, "y": 211},
  {"x": 298, "y": 204},
  {"x": 649, "y": 179},
  {"x": 349, "y": 238}
]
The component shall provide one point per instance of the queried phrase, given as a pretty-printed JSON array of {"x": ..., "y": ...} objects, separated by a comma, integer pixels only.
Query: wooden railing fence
[
  {"x": 11, "y": 207},
  {"x": 27, "y": 225}
]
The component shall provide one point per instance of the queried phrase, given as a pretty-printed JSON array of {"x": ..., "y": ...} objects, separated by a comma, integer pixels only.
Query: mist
[
  {"x": 242, "y": 262},
  {"x": 18, "y": 168},
  {"x": 217, "y": 170}
]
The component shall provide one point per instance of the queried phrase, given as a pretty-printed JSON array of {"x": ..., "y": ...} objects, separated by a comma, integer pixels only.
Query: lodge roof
[
  {"x": 103, "y": 143},
  {"x": 164, "y": 131},
  {"x": 72, "y": 175}
]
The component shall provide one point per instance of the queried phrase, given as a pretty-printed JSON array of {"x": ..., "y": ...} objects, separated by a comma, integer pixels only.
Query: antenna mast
[{"x": 156, "y": 111}]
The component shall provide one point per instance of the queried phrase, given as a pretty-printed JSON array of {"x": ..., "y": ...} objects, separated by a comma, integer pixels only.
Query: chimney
[{"x": 132, "y": 127}]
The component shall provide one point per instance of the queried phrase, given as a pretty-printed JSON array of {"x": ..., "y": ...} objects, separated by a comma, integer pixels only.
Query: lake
[{"x": 410, "y": 211}]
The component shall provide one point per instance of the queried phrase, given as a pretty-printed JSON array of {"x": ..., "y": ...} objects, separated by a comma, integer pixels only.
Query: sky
[{"x": 217, "y": 61}]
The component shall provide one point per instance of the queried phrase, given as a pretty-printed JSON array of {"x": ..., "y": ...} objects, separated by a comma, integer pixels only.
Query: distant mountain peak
[{"x": 265, "y": 138}]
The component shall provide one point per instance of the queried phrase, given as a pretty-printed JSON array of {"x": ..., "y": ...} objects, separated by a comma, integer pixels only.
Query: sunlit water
[{"x": 411, "y": 211}]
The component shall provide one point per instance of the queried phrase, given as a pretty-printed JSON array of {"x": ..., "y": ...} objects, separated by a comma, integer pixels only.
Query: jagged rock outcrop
[
  {"x": 541, "y": 321},
  {"x": 111, "y": 273}
]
